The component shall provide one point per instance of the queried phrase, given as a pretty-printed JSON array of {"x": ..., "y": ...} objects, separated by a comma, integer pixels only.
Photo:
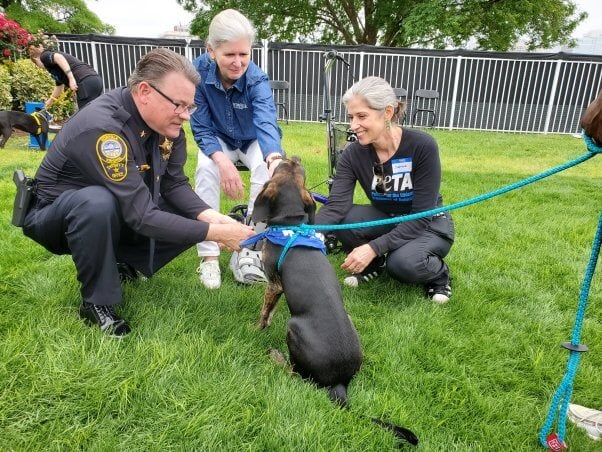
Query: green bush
[
  {"x": 29, "y": 83},
  {"x": 6, "y": 100},
  {"x": 63, "y": 107}
]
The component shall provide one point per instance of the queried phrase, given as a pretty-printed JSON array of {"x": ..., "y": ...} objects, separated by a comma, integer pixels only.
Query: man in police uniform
[{"x": 112, "y": 190}]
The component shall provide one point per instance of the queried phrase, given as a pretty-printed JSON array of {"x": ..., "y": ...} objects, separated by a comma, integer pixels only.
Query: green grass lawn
[{"x": 475, "y": 374}]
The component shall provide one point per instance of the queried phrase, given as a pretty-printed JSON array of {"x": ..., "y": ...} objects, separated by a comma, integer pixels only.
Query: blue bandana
[{"x": 308, "y": 237}]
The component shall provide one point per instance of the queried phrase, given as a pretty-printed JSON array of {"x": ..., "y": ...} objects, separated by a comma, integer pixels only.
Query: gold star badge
[{"x": 166, "y": 148}]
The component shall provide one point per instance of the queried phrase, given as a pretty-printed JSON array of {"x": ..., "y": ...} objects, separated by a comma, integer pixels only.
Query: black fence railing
[{"x": 515, "y": 92}]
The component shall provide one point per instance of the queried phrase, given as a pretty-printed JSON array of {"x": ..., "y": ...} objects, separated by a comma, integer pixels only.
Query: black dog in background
[
  {"x": 35, "y": 124},
  {"x": 323, "y": 344}
]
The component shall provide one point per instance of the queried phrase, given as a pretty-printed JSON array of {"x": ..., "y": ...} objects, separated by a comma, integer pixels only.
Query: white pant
[{"x": 207, "y": 182}]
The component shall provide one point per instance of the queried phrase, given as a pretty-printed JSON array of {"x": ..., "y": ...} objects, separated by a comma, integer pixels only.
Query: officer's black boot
[{"x": 105, "y": 318}]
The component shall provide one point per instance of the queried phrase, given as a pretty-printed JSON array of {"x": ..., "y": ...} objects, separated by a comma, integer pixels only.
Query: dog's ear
[
  {"x": 310, "y": 206},
  {"x": 261, "y": 207}
]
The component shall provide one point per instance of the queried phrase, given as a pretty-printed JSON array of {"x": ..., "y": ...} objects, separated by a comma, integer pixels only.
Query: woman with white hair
[
  {"x": 400, "y": 173},
  {"x": 235, "y": 120}
]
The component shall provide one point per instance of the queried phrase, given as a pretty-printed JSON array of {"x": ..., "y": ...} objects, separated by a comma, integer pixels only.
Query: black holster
[{"x": 25, "y": 188}]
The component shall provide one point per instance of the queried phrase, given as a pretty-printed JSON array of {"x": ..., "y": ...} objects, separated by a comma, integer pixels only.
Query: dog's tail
[
  {"x": 338, "y": 394},
  {"x": 400, "y": 432}
]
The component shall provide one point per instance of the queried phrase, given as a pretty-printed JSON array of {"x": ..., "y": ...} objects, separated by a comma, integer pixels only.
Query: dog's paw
[
  {"x": 278, "y": 357},
  {"x": 263, "y": 323}
]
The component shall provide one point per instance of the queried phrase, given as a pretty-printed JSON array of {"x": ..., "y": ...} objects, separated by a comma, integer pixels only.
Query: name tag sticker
[{"x": 401, "y": 166}]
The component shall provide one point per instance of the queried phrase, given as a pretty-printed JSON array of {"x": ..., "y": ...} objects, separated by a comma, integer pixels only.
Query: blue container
[{"x": 31, "y": 107}]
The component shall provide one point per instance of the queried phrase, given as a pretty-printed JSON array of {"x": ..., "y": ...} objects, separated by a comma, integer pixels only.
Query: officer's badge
[
  {"x": 166, "y": 148},
  {"x": 112, "y": 152}
]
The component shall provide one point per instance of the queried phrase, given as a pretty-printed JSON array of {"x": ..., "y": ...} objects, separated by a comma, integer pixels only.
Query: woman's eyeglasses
[
  {"x": 180, "y": 108},
  {"x": 379, "y": 172}
]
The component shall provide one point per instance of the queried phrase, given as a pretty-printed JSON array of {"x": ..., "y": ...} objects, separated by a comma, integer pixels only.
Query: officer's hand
[
  {"x": 229, "y": 235},
  {"x": 232, "y": 183},
  {"x": 213, "y": 216}
]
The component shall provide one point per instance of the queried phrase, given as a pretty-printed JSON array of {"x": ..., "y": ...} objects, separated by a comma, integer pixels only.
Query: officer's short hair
[
  {"x": 229, "y": 25},
  {"x": 156, "y": 64}
]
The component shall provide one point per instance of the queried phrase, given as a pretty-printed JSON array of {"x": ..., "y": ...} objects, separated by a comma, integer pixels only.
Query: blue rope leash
[
  {"x": 305, "y": 229},
  {"x": 591, "y": 146},
  {"x": 566, "y": 386},
  {"x": 287, "y": 246}
]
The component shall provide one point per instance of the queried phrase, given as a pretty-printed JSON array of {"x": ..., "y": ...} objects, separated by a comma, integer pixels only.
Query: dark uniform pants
[
  {"x": 419, "y": 261},
  {"x": 87, "y": 224}
]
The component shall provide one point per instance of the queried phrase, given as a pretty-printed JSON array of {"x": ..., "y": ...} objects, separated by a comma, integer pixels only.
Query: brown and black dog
[
  {"x": 324, "y": 346},
  {"x": 35, "y": 123},
  {"x": 322, "y": 342}
]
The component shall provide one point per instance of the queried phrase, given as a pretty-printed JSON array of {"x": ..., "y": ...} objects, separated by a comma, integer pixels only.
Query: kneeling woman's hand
[{"x": 359, "y": 259}]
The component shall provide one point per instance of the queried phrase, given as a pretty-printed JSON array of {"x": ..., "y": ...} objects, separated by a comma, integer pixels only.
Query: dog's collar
[
  {"x": 286, "y": 237},
  {"x": 37, "y": 120}
]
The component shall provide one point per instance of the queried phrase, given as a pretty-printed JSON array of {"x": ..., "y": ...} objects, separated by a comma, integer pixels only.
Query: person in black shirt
[
  {"x": 400, "y": 172},
  {"x": 67, "y": 71},
  {"x": 112, "y": 191}
]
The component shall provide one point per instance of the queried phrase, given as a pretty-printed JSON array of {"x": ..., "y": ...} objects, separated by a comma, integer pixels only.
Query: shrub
[
  {"x": 29, "y": 83},
  {"x": 62, "y": 108},
  {"x": 6, "y": 100}
]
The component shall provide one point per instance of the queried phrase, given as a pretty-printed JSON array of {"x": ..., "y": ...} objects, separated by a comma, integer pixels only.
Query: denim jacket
[{"x": 243, "y": 113}]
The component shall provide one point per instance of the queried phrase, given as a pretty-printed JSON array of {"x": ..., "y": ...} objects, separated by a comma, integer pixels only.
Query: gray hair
[
  {"x": 159, "y": 62},
  {"x": 377, "y": 93},
  {"x": 229, "y": 25}
]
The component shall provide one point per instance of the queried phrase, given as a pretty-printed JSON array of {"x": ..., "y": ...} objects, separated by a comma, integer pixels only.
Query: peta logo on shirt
[
  {"x": 239, "y": 106},
  {"x": 396, "y": 186}
]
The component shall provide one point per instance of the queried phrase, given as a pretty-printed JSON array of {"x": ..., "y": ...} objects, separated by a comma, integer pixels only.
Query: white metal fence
[{"x": 540, "y": 93}]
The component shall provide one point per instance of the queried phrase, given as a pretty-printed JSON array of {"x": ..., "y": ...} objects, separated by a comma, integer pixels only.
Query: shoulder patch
[{"x": 112, "y": 152}]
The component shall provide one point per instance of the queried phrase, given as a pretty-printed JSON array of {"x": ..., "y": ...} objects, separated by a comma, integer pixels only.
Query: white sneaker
[
  {"x": 210, "y": 274},
  {"x": 588, "y": 419},
  {"x": 247, "y": 267}
]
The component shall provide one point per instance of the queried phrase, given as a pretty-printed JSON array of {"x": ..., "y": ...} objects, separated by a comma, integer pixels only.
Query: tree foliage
[
  {"x": 55, "y": 16},
  {"x": 484, "y": 24}
]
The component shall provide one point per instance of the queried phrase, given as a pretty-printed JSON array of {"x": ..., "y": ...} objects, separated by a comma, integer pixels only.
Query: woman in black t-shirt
[
  {"x": 400, "y": 172},
  {"x": 67, "y": 71}
]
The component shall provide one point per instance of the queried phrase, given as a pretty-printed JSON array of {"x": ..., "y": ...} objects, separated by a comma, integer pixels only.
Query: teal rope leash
[
  {"x": 591, "y": 146},
  {"x": 288, "y": 245},
  {"x": 304, "y": 229},
  {"x": 563, "y": 393},
  {"x": 367, "y": 224}
]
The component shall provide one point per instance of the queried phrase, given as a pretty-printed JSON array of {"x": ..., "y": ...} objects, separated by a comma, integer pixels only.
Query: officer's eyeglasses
[
  {"x": 379, "y": 172},
  {"x": 179, "y": 107}
]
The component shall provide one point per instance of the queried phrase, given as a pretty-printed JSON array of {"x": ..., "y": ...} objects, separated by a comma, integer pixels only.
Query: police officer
[{"x": 112, "y": 188}]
